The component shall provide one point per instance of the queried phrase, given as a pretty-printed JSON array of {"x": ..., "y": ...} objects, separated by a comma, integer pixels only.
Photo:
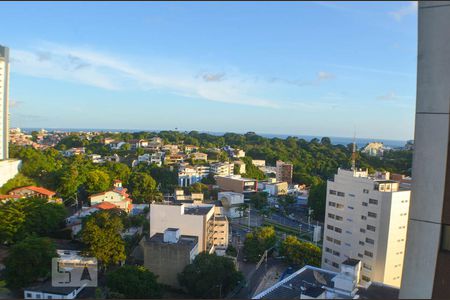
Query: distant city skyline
[{"x": 300, "y": 68}]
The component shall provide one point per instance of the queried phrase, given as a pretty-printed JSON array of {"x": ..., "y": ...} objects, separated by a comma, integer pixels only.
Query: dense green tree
[
  {"x": 300, "y": 253},
  {"x": 29, "y": 260},
  {"x": 259, "y": 200},
  {"x": 97, "y": 181},
  {"x": 258, "y": 241},
  {"x": 118, "y": 171},
  {"x": 287, "y": 202},
  {"x": 210, "y": 276},
  {"x": 134, "y": 282},
  {"x": 231, "y": 251},
  {"x": 198, "y": 187},
  {"x": 317, "y": 200},
  {"x": 71, "y": 141},
  {"x": 29, "y": 216},
  {"x": 209, "y": 179},
  {"x": 101, "y": 234},
  {"x": 251, "y": 171},
  {"x": 142, "y": 187},
  {"x": 19, "y": 180}
]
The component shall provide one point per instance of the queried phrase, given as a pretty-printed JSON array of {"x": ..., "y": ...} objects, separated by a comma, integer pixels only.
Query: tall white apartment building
[
  {"x": 8, "y": 167},
  {"x": 366, "y": 218},
  {"x": 4, "y": 115}
]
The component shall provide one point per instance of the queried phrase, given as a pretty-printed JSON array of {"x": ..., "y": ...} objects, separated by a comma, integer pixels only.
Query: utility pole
[{"x": 249, "y": 205}]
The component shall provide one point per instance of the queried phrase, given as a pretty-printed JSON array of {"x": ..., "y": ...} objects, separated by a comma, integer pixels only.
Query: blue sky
[{"x": 306, "y": 68}]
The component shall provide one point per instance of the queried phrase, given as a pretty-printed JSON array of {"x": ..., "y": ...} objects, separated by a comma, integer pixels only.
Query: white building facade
[
  {"x": 366, "y": 218},
  {"x": 8, "y": 168}
]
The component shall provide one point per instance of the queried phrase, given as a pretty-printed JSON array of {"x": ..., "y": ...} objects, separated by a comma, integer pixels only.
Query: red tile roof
[
  {"x": 39, "y": 190},
  {"x": 7, "y": 197},
  {"x": 105, "y": 205}
]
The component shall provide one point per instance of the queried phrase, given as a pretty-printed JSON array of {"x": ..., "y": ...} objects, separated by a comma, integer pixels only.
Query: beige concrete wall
[
  {"x": 167, "y": 260},
  {"x": 230, "y": 184},
  {"x": 431, "y": 150}
]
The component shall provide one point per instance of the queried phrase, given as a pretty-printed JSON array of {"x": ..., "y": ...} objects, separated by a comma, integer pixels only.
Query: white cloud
[
  {"x": 406, "y": 10},
  {"x": 89, "y": 67},
  {"x": 322, "y": 75}
]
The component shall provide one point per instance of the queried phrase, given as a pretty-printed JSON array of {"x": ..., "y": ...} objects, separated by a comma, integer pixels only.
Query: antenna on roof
[{"x": 354, "y": 151}]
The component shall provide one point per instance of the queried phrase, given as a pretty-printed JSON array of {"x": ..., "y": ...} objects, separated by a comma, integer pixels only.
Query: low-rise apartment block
[
  {"x": 188, "y": 174},
  {"x": 237, "y": 184},
  {"x": 222, "y": 169}
]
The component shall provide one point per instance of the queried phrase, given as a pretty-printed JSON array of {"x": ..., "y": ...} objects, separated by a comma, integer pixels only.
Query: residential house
[
  {"x": 190, "y": 148},
  {"x": 199, "y": 156},
  {"x": 188, "y": 174},
  {"x": 34, "y": 191},
  {"x": 222, "y": 168},
  {"x": 135, "y": 144},
  {"x": 117, "y": 196},
  {"x": 73, "y": 151},
  {"x": 116, "y": 145},
  {"x": 172, "y": 149}
]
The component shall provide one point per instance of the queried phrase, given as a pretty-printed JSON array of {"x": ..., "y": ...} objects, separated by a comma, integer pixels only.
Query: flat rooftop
[
  {"x": 47, "y": 287},
  {"x": 304, "y": 282},
  {"x": 351, "y": 262},
  {"x": 188, "y": 240},
  {"x": 197, "y": 210},
  {"x": 290, "y": 287},
  {"x": 234, "y": 177}
]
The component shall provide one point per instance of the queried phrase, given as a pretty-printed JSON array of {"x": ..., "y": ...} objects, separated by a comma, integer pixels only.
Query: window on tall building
[
  {"x": 340, "y": 194},
  {"x": 339, "y": 218},
  {"x": 372, "y": 214},
  {"x": 336, "y": 265},
  {"x": 360, "y": 255},
  {"x": 365, "y": 278},
  {"x": 332, "y": 192},
  {"x": 330, "y": 203},
  {"x": 365, "y": 191},
  {"x": 362, "y": 230},
  {"x": 328, "y": 250},
  {"x": 336, "y": 253},
  {"x": 331, "y": 216},
  {"x": 373, "y": 201},
  {"x": 363, "y": 218},
  {"x": 338, "y": 230},
  {"x": 340, "y": 206},
  {"x": 329, "y": 239},
  {"x": 350, "y": 207},
  {"x": 361, "y": 243},
  {"x": 371, "y": 228},
  {"x": 364, "y": 204},
  {"x": 368, "y": 267},
  {"x": 370, "y": 241},
  {"x": 330, "y": 227},
  {"x": 368, "y": 253},
  {"x": 337, "y": 242}
]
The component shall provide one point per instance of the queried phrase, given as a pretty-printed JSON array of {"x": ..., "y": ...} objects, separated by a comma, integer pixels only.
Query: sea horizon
[{"x": 335, "y": 140}]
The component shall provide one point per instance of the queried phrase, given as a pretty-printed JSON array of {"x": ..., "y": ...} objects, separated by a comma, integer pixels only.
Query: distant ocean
[{"x": 360, "y": 142}]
